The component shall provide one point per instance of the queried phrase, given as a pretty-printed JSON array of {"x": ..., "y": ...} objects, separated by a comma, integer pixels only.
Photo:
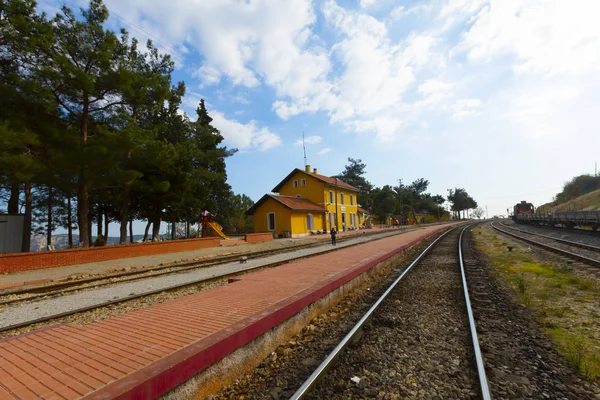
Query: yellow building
[{"x": 307, "y": 203}]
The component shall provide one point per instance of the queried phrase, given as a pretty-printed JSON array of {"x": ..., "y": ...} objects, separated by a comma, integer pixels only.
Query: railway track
[
  {"x": 59, "y": 288},
  {"x": 417, "y": 340},
  {"x": 586, "y": 253},
  {"x": 25, "y": 321}
]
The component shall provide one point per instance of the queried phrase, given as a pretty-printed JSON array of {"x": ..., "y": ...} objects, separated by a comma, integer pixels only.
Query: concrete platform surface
[
  {"x": 143, "y": 354},
  {"x": 41, "y": 276}
]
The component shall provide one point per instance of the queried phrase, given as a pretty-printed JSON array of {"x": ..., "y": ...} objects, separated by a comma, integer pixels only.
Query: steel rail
[
  {"x": 579, "y": 257},
  {"x": 322, "y": 368},
  {"x": 568, "y": 242},
  {"x": 173, "y": 287},
  {"x": 483, "y": 383}
]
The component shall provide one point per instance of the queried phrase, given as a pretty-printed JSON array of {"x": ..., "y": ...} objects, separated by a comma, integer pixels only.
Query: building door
[
  {"x": 344, "y": 221},
  {"x": 271, "y": 221},
  {"x": 331, "y": 221},
  {"x": 310, "y": 222}
]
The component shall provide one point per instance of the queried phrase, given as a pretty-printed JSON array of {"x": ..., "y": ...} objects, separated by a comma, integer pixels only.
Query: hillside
[{"x": 586, "y": 202}]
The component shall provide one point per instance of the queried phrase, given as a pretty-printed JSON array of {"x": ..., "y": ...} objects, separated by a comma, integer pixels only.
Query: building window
[
  {"x": 296, "y": 184},
  {"x": 271, "y": 221},
  {"x": 331, "y": 199},
  {"x": 303, "y": 182},
  {"x": 351, "y": 200},
  {"x": 342, "y": 198},
  {"x": 310, "y": 222}
]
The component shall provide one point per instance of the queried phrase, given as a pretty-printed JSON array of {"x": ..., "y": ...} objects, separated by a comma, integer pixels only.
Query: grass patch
[{"x": 565, "y": 300}]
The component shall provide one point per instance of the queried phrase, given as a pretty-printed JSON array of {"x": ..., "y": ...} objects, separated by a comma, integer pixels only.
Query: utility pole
[
  {"x": 336, "y": 205},
  {"x": 304, "y": 147},
  {"x": 486, "y": 214}
]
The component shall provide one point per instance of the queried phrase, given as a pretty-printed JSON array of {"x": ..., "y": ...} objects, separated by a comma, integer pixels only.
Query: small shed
[{"x": 11, "y": 233}]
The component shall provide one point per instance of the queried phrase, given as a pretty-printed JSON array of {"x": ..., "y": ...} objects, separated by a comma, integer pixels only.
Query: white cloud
[
  {"x": 324, "y": 151},
  {"x": 245, "y": 136},
  {"x": 208, "y": 75},
  {"x": 398, "y": 12},
  {"x": 566, "y": 40},
  {"x": 367, "y": 3},
  {"x": 309, "y": 140},
  {"x": 466, "y": 107},
  {"x": 432, "y": 86}
]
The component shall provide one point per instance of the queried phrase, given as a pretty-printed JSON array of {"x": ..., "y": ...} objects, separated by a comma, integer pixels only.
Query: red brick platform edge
[
  {"x": 57, "y": 258},
  {"x": 173, "y": 370}
]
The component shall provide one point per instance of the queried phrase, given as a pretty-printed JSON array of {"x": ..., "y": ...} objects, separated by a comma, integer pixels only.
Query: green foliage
[
  {"x": 576, "y": 187},
  {"x": 107, "y": 132},
  {"x": 460, "y": 200},
  {"x": 353, "y": 174}
]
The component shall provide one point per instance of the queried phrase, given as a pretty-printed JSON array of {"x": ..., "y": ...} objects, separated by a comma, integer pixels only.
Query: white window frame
[
  {"x": 331, "y": 197},
  {"x": 295, "y": 183},
  {"x": 341, "y": 198},
  {"x": 303, "y": 182},
  {"x": 268, "y": 222},
  {"x": 351, "y": 199}
]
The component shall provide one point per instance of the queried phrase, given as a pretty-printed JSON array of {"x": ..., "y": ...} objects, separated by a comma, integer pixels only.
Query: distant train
[{"x": 523, "y": 208}]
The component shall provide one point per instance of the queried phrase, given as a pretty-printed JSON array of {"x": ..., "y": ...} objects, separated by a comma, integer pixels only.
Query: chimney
[
  {"x": 307, "y": 169},
  {"x": 314, "y": 170}
]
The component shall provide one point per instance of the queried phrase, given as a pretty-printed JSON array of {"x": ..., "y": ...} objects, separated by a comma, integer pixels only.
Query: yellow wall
[
  {"x": 313, "y": 190},
  {"x": 299, "y": 224},
  {"x": 318, "y": 192},
  {"x": 282, "y": 217},
  {"x": 344, "y": 208}
]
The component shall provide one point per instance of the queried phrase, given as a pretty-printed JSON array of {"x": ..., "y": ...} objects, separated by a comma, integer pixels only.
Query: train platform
[
  {"x": 70, "y": 272},
  {"x": 146, "y": 353}
]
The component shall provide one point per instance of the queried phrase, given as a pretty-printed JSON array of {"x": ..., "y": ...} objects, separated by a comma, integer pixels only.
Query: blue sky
[{"x": 496, "y": 96}]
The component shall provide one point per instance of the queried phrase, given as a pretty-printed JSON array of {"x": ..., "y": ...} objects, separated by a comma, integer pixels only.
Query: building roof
[
  {"x": 361, "y": 210},
  {"x": 291, "y": 202},
  {"x": 328, "y": 180}
]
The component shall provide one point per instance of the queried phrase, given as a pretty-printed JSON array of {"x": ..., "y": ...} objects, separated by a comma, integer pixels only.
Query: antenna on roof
[{"x": 304, "y": 147}]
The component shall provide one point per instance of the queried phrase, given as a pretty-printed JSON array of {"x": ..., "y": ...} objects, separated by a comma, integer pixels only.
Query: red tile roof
[
  {"x": 291, "y": 202},
  {"x": 361, "y": 210},
  {"x": 329, "y": 180}
]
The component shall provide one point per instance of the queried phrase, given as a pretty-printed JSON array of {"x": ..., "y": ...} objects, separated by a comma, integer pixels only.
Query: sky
[{"x": 499, "y": 97}]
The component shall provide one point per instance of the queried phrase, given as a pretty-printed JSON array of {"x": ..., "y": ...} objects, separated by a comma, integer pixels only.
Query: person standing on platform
[{"x": 333, "y": 232}]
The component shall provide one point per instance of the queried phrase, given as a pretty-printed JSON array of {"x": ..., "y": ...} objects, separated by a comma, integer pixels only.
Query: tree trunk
[
  {"x": 99, "y": 220},
  {"x": 155, "y": 229},
  {"x": 173, "y": 231},
  {"x": 70, "y": 221},
  {"x": 131, "y": 230},
  {"x": 124, "y": 216},
  {"x": 89, "y": 231},
  {"x": 27, "y": 224},
  {"x": 49, "y": 225},
  {"x": 146, "y": 230},
  {"x": 106, "y": 222},
  {"x": 13, "y": 201},
  {"x": 82, "y": 184}
]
